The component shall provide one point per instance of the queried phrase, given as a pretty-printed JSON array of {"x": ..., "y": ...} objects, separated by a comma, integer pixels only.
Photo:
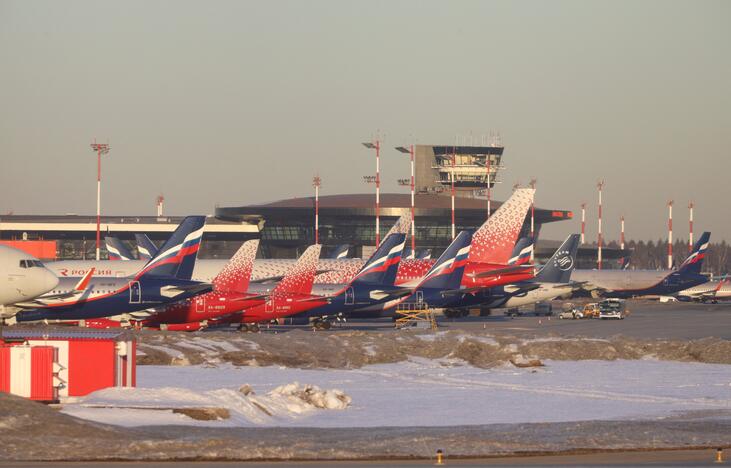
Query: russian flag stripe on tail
[
  {"x": 383, "y": 265},
  {"x": 177, "y": 256},
  {"x": 447, "y": 272},
  {"x": 694, "y": 262},
  {"x": 521, "y": 252}
]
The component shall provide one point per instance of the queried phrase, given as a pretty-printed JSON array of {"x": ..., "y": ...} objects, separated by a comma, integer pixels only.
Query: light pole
[
  {"x": 316, "y": 182},
  {"x": 489, "y": 185},
  {"x": 600, "y": 186},
  {"x": 670, "y": 235},
  {"x": 410, "y": 151},
  {"x": 691, "y": 205},
  {"x": 454, "y": 157},
  {"x": 583, "y": 223},
  {"x": 377, "y": 146},
  {"x": 100, "y": 148}
]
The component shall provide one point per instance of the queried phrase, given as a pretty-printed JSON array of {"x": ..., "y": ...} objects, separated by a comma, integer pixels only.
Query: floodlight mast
[
  {"x": 317, "y": 182},
  {"x": 410, "y": 151},
  {"x": 100, "y": 148},
  {"x": 377, "y": 146},
  {"x": 600, "y": 187}
]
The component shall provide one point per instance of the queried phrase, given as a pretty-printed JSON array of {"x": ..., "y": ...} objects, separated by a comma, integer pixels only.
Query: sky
[{"x": 235, "y": 102}]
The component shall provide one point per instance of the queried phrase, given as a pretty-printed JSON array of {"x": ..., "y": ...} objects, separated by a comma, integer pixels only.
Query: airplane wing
[
  {"x": 316, "y": 299},
  {"x": 252, "y": 298},
  {"x": 172, "y": 291},
  {"x": 382, "y": 295}
]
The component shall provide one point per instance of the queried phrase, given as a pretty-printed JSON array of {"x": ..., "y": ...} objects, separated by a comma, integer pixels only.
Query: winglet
[{"x": 84, "y": 281}]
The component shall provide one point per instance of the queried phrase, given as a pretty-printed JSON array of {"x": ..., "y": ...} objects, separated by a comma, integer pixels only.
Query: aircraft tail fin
[
  {"x": 694, "y": 262},
  {"x": 494, "y": 241},
  {"x": 559, "y": 267},
  {"x": 383, "y": 265},
  {"x": 145, "y": 247},
  {"x": 341, "y": 251},
  {"x": 522, "y": 252},
  {"x": 301, "y": 276},
  {"x": 178, "y": 254},
  {"x": 236, "y": 274},
  {"x": 447, "y": 272},
  {"x": 116, "y": 249}
]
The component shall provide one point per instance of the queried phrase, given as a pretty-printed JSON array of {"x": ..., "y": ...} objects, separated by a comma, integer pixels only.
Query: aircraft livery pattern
[
  {"x": 234, "y": 277},
  {"x": 494, "y": 242}
]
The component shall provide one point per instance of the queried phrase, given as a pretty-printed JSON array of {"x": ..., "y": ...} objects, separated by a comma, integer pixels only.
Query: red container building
[{"x": 65, "y": 362}]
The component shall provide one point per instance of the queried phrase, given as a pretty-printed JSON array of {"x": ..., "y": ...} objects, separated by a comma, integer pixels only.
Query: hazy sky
[{"x": 241, "y": 102}]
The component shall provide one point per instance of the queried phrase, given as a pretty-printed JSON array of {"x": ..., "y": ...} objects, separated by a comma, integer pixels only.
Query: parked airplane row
[{"x": 487, "y": 269}]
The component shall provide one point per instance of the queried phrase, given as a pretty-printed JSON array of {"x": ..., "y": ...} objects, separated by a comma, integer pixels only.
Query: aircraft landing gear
[
  {"x": 249, "y": 327},
  {"x": 322, "y": 324}
]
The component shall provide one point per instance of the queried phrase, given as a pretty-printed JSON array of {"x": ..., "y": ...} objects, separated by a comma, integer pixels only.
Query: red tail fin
[
  {"x": 236, "y": 274},
  {"x": 300, "y": 278},
  {"x": 494, "y": 241}
]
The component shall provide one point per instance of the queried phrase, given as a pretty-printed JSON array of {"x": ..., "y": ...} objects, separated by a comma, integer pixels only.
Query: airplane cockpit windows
[{"x": 30, "y": 263}]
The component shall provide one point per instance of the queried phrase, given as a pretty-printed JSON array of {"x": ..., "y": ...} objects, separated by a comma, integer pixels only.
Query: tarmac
[{"x": 647, "y": 319}]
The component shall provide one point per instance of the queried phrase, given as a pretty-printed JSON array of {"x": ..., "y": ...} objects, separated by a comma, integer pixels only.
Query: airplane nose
[{"x": 50, "y": 280}]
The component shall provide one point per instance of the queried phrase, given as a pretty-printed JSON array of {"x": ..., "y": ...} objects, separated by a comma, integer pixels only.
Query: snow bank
[{"x": 282, "y": 404}]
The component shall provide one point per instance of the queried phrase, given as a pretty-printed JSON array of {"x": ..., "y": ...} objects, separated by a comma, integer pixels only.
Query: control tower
[{"x": 472, "y": 167}]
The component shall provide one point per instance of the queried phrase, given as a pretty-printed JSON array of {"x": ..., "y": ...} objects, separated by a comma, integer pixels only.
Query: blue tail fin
[
  {"x": 424, "y": 254},
  {"x": 383, "y": 265},
  {"x": 145, "y": 248},
  {"x": 116, "y": 249},
  {"x": 559, "y": 267},
  {"x": 694, "y": 262},
  {"x": 178, "y": 254},
  {"x": 447, "y": 272},
  {"x": 522, "y": 252},
  {"x": 341, "y": 251}
]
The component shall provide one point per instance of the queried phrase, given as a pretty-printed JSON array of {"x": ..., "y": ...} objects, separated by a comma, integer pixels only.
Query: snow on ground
[{"x": 423, "y": 392}]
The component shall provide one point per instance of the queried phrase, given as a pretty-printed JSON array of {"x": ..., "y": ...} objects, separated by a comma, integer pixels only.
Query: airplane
[
  {"x": 711, "y": 291},
  {"x": 116, "y": 249},
  {"x": 165, "y": 279},
  {"x": 553, "y": 279},
  {"x": 23, "y": 277},
  {"x": 631, "y": 283},
  {"x": 145, "y": 248},
  {"x": 229, "y": 296}
]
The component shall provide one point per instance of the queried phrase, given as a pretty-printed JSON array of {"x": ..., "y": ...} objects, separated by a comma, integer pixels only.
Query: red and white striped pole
[
  {"x": 413, "y": 222},
  {"x": 532, "y": 220},
  {"x": 690, "y": 238},
  {"x": 316, "y": 182},
  {"x": 378, "y": 192},
  {"x": 454, "y": 156},
  {"x": 583, "y": 223},
  {"x": 600, "y": 186},
  {"x": 670, "y": 235},
  {"x": 621, "y": 235},
  {"x": 489, "y": 189}
]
